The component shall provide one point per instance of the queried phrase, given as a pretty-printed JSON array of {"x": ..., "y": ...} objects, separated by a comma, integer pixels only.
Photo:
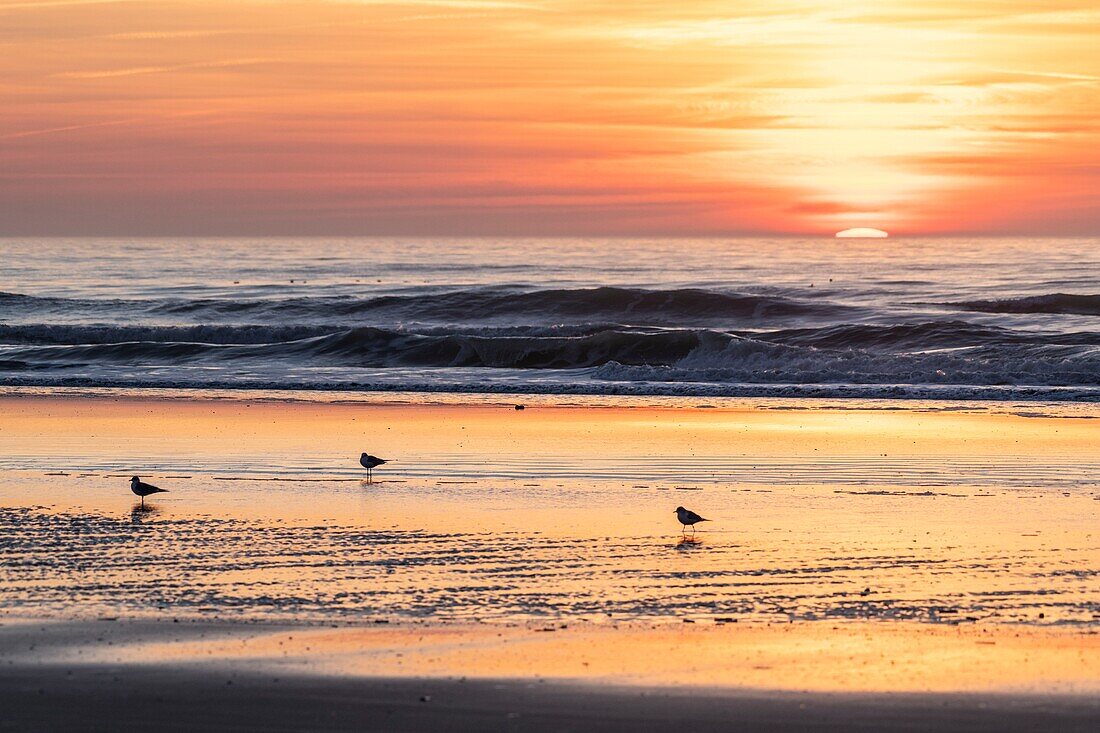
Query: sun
[{"x": 862, "y": 233}]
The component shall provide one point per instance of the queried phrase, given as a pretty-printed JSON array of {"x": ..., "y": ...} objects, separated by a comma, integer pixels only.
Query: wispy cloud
[
  {"x": 471, "y": 4},
  {"x": 46, "y": 4},
  {"x": 142, "y": 70},
  {"x": 182, "y": 34},
  {"x": 66, "y": 128}
]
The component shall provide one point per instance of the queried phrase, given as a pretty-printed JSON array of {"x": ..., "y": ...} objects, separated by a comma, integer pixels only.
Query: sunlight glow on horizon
[
  {"x": 550, "y": 117},
  {"x": 861, "y": 233}
]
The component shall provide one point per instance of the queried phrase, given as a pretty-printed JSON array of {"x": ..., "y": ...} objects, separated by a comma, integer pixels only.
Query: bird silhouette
[
  {"x": 369, "y": 462},
  {"x": 688, "y": 517},
  {"x": 143, "y": 489}
]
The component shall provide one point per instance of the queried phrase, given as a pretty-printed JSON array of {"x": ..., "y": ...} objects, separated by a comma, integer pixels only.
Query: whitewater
[{"x": 1007, "y": 319}]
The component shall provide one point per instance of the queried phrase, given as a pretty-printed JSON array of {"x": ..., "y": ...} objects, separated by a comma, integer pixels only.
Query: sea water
[{"x": 926, "y": 318}]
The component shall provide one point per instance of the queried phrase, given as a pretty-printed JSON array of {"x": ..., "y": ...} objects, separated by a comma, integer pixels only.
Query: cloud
[
  {"x": 459, "y": 4},
  {"x": 47, "y": 4},
  {"x": 141, "y": 70},
  {"x": 64, "y": 128}
]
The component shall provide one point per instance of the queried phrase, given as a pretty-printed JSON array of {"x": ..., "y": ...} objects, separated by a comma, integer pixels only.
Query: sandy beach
[{"x": 916, "y": 567}]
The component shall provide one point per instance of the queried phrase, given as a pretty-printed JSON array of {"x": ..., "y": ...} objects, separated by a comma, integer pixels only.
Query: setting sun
[{"x": 862, "y": 233}]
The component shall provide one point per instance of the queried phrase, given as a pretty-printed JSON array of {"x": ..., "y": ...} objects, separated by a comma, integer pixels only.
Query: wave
[
  {"x": 920, "y": 336},
  {"x": 1058, "y": 303},
  {"x": 370, "y": 347},
  {"x": 626, "y": 305},
  {"x": 637, "y": 306},
  {"x": 67, "y": 334},
  {"x": 909, "y": 336},
  {"x": 628, "y": 339},
  {"x": 929, "y": 353},
  {"x": 749, "y": 361},
  {"x": 48, "y": 334}
]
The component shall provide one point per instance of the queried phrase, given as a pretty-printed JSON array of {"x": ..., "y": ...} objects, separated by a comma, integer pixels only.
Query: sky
[{"x": 549, "y": 117}]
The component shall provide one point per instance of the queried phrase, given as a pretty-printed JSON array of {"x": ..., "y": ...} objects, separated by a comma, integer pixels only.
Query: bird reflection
[
  {"x": 689, "y": 542},
  {"x": 141, "y": 513}
]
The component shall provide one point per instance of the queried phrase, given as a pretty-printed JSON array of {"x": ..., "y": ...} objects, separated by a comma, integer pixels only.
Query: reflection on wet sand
[
  {"x": 815, "y": 524},
  {"x": 140, "y": 513},
  {"x": 688, "y": 542},
  {"x": 365, "y": 567},
  {"x": 871, "y": 656}
]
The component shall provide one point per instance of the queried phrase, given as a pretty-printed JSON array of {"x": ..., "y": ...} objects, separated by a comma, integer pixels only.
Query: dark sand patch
[{"x": 163, "y": 698}]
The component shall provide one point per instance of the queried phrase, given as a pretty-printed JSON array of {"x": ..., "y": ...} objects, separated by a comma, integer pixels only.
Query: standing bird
[
  {"x": 688, "y": 517},
  {"x": 143, "y": 489},
  {"x": 369, "y": 462}
]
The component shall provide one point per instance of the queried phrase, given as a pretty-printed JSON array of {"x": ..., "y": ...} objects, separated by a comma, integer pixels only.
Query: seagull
[
  {"x": 143, "y": 489},
  {"x": 687, "y": 517},
  {"x": 369, "y": 462}
]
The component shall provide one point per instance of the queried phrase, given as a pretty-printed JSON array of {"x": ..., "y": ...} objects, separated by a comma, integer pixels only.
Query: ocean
[{"x": 952, "y": 318}]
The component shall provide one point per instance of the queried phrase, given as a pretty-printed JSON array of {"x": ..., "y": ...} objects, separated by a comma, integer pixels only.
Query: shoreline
[
  {"x": 610, "y": 389},
  {"x": 1081, "y": 409}
]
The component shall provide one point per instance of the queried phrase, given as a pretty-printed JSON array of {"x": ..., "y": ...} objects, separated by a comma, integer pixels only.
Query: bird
[
  {"x": 687, "y": 517},
  {"x": 369, "y": 462},
  {"x": 143, "y": 489}
]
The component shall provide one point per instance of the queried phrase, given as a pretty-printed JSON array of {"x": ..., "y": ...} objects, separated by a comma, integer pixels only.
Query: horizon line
[{"x": 627, "y": 235}]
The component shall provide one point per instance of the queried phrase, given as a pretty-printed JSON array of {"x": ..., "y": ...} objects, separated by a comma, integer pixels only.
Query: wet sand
[
  {"x": 122, "y": 675},
  {"x": 854, "y": 657},
  {"x": 167, "y": 698},
  {"x": 929, "y": 567},
  {"x": 488, "y": 514}
]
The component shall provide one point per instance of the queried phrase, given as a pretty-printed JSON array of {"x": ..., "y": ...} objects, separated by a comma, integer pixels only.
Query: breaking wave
[
  {"x": 1061, "y": 303},
  {"x": 379, "y": 347},
  {"x": 749, "y": 361},
  {"x": 638, "y": 306},
  {"x": 929, "y": 353},
  {"x": 599, "y": 340}
]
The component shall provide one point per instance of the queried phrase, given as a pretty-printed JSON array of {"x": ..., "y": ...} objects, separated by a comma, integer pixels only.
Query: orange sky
[{"x": 548, "y": 117}]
